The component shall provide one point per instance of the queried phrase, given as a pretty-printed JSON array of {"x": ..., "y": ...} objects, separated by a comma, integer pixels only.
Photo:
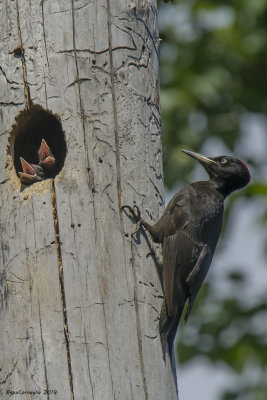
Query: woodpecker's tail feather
[
  {"x": 167, "y": 328},
  {"x": 164, "y": 326}
]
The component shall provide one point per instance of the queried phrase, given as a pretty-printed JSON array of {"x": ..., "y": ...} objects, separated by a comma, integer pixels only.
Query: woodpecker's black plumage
[{"x": 189, "y": 230}]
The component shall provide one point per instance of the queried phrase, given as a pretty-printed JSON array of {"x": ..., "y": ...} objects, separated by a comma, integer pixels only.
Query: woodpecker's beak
[
  {"x": 205, "y": 161},
  {"x": 46, "y": 158},
  {"x": 29, "y": 174}
]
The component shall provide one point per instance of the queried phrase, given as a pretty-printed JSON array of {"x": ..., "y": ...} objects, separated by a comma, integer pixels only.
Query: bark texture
[{"x": 79, "y": 298}]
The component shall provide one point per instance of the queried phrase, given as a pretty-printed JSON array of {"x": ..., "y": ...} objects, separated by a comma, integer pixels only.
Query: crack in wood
[
  {"x": 10, "y": 103},
  {"x": 61, "y": 282},
  {"x": 6, "y": 78},
  {"x": 88, "y": 364},
  {"x": 43, "y": 350},
  {"x": 139, "y": 335},
  {"x": 27, "y": 95},
  {"x": 119, "y": 195},
  {"x": 89, "y": 168},
  {"x": 79, "y": 91},
  {"x": 115, "y": 114},
  {"x": 45, "y": 45},
  {"x": 144, "y": 23},
  {"x": 44, "y": 33},
  {"x": 90, "y": 177},
  {"x": 11, "y": 372}
]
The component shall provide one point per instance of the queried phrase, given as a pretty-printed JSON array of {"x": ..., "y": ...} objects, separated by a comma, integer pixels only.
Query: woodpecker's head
[{"x": 228, "y": 173}]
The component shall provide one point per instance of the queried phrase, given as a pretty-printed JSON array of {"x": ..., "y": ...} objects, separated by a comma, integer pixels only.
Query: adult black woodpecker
[
  {"x": 189, "y": 230},
  {"x": 46, "y": 159},
  {"x": 31, "y": 172}
]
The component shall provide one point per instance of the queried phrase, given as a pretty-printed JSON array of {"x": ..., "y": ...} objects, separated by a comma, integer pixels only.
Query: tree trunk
[{"x": 80, "y": 298}]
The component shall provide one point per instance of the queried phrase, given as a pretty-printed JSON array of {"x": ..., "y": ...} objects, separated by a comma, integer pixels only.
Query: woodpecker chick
[
  {"x": 31, "y": 173},
  {"x": 189, "y": 230},
  {"x": 46, "y": 158}
]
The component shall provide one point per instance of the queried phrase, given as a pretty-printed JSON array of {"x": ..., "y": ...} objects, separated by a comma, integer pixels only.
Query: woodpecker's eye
[{"x": 224, "y": 161}]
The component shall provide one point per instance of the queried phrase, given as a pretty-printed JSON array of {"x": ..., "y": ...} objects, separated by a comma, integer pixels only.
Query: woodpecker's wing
[
  {"x": 180, "y": 251},
  {"x": 190, "y": 238},
  {"x": 177, "y": 258}
]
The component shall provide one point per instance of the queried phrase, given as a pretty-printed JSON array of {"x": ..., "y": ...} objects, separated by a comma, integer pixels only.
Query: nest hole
[{"x": 27, "y": 133}]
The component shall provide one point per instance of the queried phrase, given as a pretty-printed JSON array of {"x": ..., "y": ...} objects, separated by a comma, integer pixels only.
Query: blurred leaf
[
  {"x": 259, "y": 189},
  {"x": 236, "y": 276},
  {"x": 219, "y": 74}
]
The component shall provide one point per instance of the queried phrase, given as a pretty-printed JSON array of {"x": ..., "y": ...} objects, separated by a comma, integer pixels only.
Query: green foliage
[
  {"x": 213, "y": 72},
  {"x": 225, "y": 330}
]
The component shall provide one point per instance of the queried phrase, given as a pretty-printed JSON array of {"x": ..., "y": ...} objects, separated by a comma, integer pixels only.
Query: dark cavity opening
[{"x": 30, "y": 128}]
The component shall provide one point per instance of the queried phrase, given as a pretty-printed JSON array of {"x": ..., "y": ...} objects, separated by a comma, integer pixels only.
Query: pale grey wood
[
  {"x": 32, "y": 348},
  {"x": 95, "y": 64}
]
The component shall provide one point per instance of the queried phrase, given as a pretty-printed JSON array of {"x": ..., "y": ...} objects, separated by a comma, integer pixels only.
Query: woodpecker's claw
[
  {"x": 137, "y": 227},
  {"x": 138, "y": 212},
  {"x": 135, "y": 214}
]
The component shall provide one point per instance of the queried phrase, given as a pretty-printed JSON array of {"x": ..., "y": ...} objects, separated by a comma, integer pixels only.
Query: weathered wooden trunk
[{"x": 80, "y": 298}]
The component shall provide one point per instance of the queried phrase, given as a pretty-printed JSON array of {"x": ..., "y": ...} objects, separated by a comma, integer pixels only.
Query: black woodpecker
[
  {"x": 189, "y": 230},
  {"x": 31, "y": 173}
]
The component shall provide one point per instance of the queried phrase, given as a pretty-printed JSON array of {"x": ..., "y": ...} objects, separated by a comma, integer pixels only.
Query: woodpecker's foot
[
  {"x": 135, "y": 214},
  {"x": 137, "y": 227}
]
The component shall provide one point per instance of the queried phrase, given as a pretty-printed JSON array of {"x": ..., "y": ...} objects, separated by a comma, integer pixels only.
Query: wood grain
[{"x": 80, "y": 298}]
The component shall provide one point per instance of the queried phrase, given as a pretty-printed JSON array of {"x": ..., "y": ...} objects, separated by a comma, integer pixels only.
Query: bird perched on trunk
[
  {"x": 31, "y": 172},
  {"x": 189, "y": 230},
  {"x": 35, "y": 173}
]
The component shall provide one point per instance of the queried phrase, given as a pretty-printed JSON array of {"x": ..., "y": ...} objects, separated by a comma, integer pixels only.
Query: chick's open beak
[
  {"x": 46, "y": 158},
  {"x": 31, "y": 173}
]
